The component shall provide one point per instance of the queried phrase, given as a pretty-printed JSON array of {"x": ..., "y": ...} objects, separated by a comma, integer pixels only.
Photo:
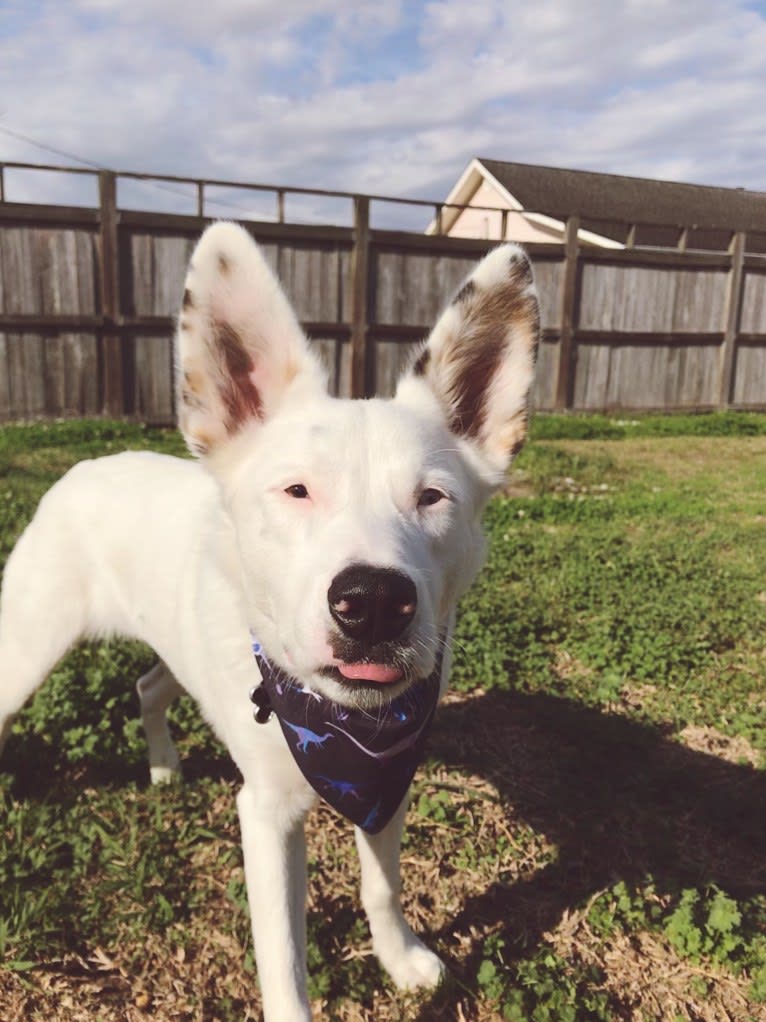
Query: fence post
[
  {"x": 112, "y": 374},
  {"x": 359, "y": 292},
  {"x": 732, "y": 316},
  {"x": 567, "y": 314}
]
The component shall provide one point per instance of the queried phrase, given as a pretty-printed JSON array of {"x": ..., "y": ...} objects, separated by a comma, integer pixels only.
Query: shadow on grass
[
  {"x": 619, "y": 800},
  {"x": 39, "y": 773}
]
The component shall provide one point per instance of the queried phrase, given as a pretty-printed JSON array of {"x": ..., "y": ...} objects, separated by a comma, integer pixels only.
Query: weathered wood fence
[{"x": 88, "y": 295}]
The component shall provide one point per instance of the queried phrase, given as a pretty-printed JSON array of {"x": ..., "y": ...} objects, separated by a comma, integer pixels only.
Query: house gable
[{"x": 498, "y": 214}]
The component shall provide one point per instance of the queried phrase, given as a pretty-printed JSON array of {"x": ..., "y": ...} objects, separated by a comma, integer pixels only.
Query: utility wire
[
  {"x": 51, "y": 149},
  {"x": 160, "y": 185},
  {"x": 163, "y": 186}
]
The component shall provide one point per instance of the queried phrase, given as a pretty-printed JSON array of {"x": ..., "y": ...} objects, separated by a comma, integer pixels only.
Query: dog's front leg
[
  {"x": 406, "y": 959},
  {"x": 274, "y": 849}
]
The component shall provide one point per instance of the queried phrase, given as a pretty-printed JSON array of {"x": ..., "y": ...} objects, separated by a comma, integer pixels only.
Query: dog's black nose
[{"x": 373, "y": 604}]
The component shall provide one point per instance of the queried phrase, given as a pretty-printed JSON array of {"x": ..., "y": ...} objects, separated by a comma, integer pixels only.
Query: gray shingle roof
[{"x": 615, "y": 197}]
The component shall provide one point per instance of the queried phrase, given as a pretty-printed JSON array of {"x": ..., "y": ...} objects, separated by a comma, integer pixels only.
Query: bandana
[{"x": 361, "y": 762}]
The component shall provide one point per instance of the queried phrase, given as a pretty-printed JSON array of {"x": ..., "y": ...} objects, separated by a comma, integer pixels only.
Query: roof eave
[{"x": 467, "y": 185}]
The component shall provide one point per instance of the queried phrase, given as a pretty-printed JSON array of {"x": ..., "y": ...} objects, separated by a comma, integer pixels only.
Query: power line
[
  {"x": 163, "y": 186},
  {"x": 51, "y": 149},
  {"x": 160, "y": 185}
]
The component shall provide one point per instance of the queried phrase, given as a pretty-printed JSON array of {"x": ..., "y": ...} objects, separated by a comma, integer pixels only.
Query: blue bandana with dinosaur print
[{"x": 361, "y": 762}]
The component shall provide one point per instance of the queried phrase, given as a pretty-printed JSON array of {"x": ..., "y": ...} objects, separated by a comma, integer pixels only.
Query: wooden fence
[{"x": 88, "y": 295}]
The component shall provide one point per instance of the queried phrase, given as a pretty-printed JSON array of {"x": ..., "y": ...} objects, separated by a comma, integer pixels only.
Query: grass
[{"x": 587, "y": 840}]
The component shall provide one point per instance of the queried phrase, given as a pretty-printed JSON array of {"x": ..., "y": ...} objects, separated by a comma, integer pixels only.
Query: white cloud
[{"x": 394, "y": 97}]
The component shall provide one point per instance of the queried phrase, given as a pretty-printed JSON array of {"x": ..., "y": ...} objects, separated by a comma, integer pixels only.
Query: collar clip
[{"x": 259, "y": 697}]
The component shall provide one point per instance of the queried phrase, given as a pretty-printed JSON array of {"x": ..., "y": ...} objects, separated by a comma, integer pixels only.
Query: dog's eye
[
  {"x": 298, "y": 490},
  {"x": 430, "y": 496}
]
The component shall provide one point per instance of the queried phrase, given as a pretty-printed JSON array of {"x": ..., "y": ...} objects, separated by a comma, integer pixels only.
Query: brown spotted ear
[
  {"x": 238, "y": 345},
  {"x": 479, "y": 360}
]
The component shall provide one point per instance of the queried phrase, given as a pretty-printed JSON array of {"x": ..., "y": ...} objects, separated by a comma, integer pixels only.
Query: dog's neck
[{"x": 360, "y": 762}]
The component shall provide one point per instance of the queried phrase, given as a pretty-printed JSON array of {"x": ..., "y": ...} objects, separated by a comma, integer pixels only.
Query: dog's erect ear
[
  {"x": 239, "y": 346},
  {"x": 479, "y": 360}
]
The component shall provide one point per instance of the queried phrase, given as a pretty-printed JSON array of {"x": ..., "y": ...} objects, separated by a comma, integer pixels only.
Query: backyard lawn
[{"x": 587, "y": 839}]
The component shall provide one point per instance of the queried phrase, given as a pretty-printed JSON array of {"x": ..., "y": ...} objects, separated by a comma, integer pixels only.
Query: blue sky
[{"x": 388, "y": 97}]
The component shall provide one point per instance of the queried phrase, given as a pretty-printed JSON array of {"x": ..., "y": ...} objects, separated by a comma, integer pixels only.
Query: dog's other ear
[
  {"x": 479, "y": 360},
  {"x": 239, "y": 346}
]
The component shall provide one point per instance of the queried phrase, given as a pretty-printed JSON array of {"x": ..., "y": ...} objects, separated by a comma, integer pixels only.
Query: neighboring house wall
[
  {"x": 488, "y": 223},
  {"x": 475, "y": 189}
]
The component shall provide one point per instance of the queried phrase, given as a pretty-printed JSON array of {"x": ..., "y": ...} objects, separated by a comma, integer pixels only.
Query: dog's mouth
[
  {"x": 380, "y": 664},
  {"x": 381, "y": 674},
  {"x": 384, "y": 670},
  {"x": 366, "y": 686},
  {"x": 372, "y": 677}
]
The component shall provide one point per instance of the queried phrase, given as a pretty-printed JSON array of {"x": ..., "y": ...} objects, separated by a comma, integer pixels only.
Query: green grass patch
[
  {"x": 627, "y": 427},
  {"x": 587, "y": 841}
]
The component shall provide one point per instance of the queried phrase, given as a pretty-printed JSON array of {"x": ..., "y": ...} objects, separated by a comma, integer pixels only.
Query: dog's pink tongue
[{"x": 381, "y": 673}]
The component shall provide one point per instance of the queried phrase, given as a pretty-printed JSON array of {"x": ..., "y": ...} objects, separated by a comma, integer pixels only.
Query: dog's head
[{"x": 357, "y": 522}]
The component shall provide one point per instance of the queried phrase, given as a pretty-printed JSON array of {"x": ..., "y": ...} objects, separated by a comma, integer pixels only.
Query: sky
[{"x": 386, "y": 97}]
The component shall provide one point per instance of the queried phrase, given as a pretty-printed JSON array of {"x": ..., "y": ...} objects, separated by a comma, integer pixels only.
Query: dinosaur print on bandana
[{"x": 360, "y": 762}]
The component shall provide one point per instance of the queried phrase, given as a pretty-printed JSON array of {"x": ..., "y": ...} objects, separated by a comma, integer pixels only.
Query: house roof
[{"x": 615, "y": 197}]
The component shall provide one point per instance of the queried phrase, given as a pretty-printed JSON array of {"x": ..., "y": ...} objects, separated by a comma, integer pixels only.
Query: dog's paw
[
  {"x": 414, "y": 967},
  {"x": 164, "y": 774}
]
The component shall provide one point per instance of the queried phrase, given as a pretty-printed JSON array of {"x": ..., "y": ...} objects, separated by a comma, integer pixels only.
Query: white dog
[{"x": 332, "y": 537}]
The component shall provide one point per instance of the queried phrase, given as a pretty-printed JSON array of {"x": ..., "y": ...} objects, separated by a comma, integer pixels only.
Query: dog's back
[{"x": 103, "y": 555}]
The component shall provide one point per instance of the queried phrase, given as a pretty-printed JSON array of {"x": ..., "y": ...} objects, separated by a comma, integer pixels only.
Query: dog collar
[{"x": 360, "y": 762}]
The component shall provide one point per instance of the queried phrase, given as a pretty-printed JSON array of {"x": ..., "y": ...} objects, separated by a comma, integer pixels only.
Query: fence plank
[
  {"x": 413, "y": 287},
  {"x": 113, "y": 383},
  {"x": 391, "y": 360},
  {"x": 71, "y": 375},
  {"x": 568, "y": 314},
  {"x": 750, "y": 378},
  {"x": 359, "y": 297},
  {"x": 6, "y": 411},
  {"x": 754, "y": 304},
  {"x": 733, "y": 317},
  {"x": 548, "y": 274},
  {"x": 154, "y": 378}
]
